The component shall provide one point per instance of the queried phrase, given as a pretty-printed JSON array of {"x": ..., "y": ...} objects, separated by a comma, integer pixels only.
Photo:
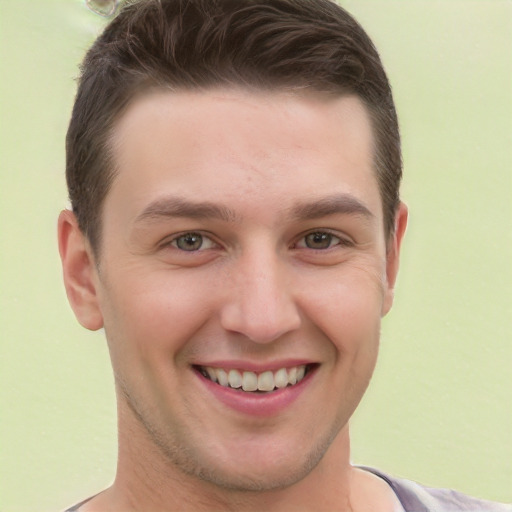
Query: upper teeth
[{"x": 251, "y": 381}]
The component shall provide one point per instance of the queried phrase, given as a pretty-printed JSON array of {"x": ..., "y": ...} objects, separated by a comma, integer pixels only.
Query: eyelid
[
  {"x": 342, "y": 240},
  {"x": 212, "y": 243},
  {"x": 171, "y": 240}
]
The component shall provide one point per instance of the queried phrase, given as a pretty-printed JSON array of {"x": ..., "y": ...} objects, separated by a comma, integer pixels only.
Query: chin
[
  {"x": 261, "y": 470},
  {"x": 252, "y": 480}
]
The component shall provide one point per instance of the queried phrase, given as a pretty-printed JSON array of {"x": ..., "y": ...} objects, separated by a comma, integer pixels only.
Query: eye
[
  {"x": 192, "y": 242},
  {"x": 320, "y": 240}
]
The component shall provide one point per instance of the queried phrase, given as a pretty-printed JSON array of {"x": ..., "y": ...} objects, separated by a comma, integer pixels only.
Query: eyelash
[
  {"x": 175, "y": 241},
  {"x": 325, "y": 234}
]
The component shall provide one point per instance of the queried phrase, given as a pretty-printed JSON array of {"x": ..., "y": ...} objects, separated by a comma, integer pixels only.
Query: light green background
[{"x": 439, "y": 409}]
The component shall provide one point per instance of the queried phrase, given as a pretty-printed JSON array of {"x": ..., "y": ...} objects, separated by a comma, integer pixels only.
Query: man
[{"x": 234, "y": 170}]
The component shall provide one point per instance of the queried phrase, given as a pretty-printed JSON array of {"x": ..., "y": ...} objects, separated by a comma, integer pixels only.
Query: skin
[{"x": 254, "y": 292}]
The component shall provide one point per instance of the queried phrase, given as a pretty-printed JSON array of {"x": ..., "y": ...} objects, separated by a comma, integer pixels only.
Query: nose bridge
[{"x": 261, "y": 304}]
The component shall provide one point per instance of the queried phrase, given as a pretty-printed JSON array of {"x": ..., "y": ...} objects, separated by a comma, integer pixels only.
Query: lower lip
[{"x": 258, "y": 404}]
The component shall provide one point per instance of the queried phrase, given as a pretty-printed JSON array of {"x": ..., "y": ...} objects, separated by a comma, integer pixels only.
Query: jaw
[
  {"x": 226, "y": 448},
  {"x": 286, "y": 478}
]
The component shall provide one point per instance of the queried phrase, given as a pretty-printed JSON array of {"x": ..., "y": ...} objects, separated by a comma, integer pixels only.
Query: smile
[{"x": 249, "y": 381}]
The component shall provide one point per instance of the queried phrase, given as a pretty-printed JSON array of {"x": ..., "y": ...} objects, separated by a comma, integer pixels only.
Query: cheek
[
  {"x": 347, "y": 308},
  {"x": 151, "y": 317}
]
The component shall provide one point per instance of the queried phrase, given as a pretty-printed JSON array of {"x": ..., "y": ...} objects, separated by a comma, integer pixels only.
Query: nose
[{"x": 259, "y": 302}]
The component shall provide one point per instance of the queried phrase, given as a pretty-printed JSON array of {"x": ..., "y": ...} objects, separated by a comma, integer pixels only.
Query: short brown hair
[{"x": 196, "y": 44}]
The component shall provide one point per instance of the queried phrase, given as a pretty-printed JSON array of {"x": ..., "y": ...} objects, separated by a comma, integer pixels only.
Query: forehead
[{"x": 245, "y": 148}]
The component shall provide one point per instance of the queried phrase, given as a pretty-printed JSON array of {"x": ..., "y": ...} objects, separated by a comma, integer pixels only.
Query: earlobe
[
  {"x": 393, "y": 256},
  {"x": 79, "y": 272}
]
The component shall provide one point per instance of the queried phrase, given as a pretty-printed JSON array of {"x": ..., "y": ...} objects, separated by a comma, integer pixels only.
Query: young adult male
[{"x": 234, "y": 170}]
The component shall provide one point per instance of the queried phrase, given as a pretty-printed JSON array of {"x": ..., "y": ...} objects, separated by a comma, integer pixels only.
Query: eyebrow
[
  {"x": 169, "y": 207},
  {"x": 344, "y": 204}
]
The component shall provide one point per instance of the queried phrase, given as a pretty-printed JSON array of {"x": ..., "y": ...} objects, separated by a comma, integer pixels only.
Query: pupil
[
  {"x": 318, "y": 240},
  {"x": 189, "y": 242}
]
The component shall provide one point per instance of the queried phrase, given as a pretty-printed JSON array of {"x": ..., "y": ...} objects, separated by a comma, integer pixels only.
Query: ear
[
  {"x": 79, "y": 271},
  {"x": 393, "y": 256}
]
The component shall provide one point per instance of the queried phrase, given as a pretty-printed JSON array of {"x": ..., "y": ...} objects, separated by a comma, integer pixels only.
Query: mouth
[{"x": 267, "y": 381}]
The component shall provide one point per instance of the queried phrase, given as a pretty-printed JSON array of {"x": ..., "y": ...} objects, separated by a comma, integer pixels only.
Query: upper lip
[{"x": 254, "y": 366}]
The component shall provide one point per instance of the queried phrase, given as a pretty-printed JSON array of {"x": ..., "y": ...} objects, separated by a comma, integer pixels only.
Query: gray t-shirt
[{"x": 418, "y": 498}]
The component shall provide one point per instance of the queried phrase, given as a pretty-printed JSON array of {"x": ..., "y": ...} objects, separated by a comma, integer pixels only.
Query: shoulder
[
  {"x": 415, "y": 497},
  {"x": 76, "y": 508}
]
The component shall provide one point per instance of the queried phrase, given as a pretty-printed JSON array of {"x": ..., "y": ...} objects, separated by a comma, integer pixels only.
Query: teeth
[
  {"x": 266, "y": 381},
  {"x": 222, "y": 377},
  {"x": 234, "y": 379},
  {"x": 250, "y": 381},
  {"x": 281, "y": 378},
  {"x": 211, "y": 374}
]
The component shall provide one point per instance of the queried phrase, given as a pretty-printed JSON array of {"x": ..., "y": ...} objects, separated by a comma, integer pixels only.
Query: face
[{"x": 243, "y": 275}]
